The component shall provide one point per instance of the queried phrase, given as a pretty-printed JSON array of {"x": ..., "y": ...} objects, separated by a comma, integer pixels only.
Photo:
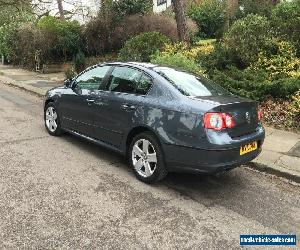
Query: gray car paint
[{"x": 175, "y": 119}]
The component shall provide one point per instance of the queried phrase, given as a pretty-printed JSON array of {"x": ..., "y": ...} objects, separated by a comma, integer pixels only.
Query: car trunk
[{"x": 244, "y": 112}]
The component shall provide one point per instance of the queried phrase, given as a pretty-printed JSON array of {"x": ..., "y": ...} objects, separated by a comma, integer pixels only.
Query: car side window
[
  {"x": 92, "y": 79},
  {"x": 144, "y": 84},
  {"x": 128, "y": 80}
]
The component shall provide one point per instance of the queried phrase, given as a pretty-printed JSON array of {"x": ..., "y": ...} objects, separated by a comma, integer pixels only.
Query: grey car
[{"x": 162, "y": 119}]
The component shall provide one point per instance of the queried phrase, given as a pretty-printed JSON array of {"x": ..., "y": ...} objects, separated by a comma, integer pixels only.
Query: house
[{"x": 161, "y": 5}]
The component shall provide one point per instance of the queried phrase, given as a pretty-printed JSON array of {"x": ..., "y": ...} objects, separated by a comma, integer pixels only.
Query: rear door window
[{"x": 129, "y": 80}]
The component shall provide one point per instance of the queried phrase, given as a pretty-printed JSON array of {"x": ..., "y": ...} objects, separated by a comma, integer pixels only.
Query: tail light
[
  {"x": 218, "y": 121},
  {"x": 259, "y": 115}
]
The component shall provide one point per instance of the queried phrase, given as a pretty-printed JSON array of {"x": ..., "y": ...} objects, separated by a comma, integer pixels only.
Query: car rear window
[{"x": 189, "y": 84}]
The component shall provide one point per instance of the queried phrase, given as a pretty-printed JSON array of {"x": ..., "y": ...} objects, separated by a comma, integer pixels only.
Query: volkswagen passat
[{"x": 161, "y": 118}]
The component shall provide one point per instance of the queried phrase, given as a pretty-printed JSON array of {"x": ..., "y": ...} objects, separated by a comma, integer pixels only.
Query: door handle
[
  {"x": 128, "y": 107},
  {"x": 90, "y": 101}
]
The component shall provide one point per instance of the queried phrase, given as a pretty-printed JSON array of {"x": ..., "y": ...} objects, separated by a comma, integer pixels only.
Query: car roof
[{"x": 139, "y": 64}]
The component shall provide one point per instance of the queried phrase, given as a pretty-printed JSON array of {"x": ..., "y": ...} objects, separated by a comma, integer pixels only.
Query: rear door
[
  {"x": 119, "y": 103},
  {"x": 76, "y": 105}
]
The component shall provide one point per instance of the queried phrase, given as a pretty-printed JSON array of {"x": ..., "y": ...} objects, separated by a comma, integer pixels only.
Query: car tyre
[
  {"x": 52, "y": 120},
  {"x": 146, "y": 158}
]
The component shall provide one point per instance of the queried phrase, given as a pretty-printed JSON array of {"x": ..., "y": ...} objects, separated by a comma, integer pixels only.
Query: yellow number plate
[{"x": 248, "y": 148}]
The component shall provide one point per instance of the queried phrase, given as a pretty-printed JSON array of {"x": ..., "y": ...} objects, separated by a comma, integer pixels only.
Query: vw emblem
[{"x": 248, "y": 117}]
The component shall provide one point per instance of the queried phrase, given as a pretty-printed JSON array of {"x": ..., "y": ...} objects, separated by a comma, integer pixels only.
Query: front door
[{"x": 77, "y": 103}]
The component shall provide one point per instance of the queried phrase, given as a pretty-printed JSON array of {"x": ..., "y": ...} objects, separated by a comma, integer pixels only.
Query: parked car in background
[{"x": 162, "y": 119}]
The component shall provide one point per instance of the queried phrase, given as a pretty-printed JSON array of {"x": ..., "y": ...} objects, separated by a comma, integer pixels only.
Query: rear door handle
[
  {"x": 128, "y": 107},
  {"x": 90, "y": 101}
]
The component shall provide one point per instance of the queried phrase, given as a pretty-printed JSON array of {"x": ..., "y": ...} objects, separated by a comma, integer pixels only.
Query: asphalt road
[{"x": 62, "y": 192}]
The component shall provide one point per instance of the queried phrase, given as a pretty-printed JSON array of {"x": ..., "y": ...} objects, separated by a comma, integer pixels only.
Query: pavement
[
  {"x": 281, "y": 150},
  {"x": 66, "y": 193}
]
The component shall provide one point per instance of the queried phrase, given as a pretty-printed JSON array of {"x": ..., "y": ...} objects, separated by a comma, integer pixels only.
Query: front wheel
[
  {"x": 146, "y": 158},
  {"x": 52, "y": 122}
]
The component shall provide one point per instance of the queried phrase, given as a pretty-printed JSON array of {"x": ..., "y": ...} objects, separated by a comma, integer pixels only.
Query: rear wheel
[
  {"x": 146, "y": 158},
  {"x": 52, "y": 122}
]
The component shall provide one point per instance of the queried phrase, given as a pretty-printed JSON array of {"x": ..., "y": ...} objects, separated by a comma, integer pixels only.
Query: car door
[
  {"x": 125, "y": 89},
  {"x": 77, "y": 102}
]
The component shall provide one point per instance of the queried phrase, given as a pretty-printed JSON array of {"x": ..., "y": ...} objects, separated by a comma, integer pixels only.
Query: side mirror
[{"x": 68, "y": 83}]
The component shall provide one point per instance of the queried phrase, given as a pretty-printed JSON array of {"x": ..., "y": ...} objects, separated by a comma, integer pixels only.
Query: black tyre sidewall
[
  {"x": 160, "y": 171},
  {"x": 58, "y": 130}
]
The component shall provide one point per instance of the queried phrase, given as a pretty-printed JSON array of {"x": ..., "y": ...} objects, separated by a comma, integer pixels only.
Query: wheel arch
[
  {"x": 48, "y": 101},
  {"x": 137, "y": 130}
]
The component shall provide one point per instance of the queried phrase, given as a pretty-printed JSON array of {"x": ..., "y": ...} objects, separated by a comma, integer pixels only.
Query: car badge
[{"x": 248, "y": 117}]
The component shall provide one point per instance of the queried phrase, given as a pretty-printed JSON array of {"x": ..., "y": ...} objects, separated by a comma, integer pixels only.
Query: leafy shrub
[
  {"x": 26, "y": 41},
  {"x": 254, "y": 84},
  {"x": 135, "y": 24},
  {"x": 249, "y": 36},
  {"x": 200, "y": 48},
  {"x": 262, "y": 8},
  {"x": 79, "y": 62},
  {"x": 220, "y": 58},
  {"x": 142, "y": 46},
  {"x": 285, "y": 20},
  {"x": 99, "y": 35},
  {"x": 247, "y": 83},
  {"x": 279, "y": 63},
  {"x": 6, "y": 33},
  {"x": 283, "y": 88},
  {"x": 177, "y": 60},
  {"x": 66, "y": 35},
  {"x": 130, "y": 7},
  {"x": 209, "y": 16}
]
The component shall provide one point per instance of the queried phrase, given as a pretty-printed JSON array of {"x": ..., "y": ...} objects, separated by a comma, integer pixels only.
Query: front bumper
[{"x": 187, "y": 159}]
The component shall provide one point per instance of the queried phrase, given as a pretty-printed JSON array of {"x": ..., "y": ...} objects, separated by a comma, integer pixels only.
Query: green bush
[
  {"x": 247, "y": 83},
  {"x": 6, "y": 33},
  {"x": 220, "y": 58},
  {"x": 99, "y": 35},
  {"x": 280, "y": 61},
  {"x": 209, "y": 17},
  {"x": 26, "y": 41},
  {"x": 262, "y": 8},
  {"x": 136, "y": 24},
  {"x": 283, "y": 88},
  {"x": 130, "y": 7},
  {"x": 285, "y": 20},
  {"x": 141, "y": 47},
  {"x": 177, "y": 60},
  {"x": 249, "y": 36},
  {"x": 254, "y": 84},
  {"x": 66, "y": 34}
]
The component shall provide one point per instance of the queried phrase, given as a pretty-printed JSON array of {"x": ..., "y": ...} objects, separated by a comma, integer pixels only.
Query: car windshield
[{"x": 189, "y": 84}]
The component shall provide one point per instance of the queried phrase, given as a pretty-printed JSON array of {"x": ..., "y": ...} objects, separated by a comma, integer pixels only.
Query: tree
[
  {"x": 180, "y": 17},
  {"x": 60, "y": 9}
]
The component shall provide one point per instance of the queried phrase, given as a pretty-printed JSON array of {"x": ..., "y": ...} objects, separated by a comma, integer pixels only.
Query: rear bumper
[{"x": 185, "y": 159}]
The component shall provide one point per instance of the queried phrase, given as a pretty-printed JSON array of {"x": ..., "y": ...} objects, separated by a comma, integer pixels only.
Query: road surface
[{"x": 62, "y": 192}]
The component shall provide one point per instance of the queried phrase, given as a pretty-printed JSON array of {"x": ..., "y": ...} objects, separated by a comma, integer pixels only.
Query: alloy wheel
[
  {"x": 51, "y": 119},
  {"x": 144, "y": 157}
]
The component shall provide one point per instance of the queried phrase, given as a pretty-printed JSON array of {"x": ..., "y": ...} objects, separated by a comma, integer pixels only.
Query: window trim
[{"x": 132, "y": 67}]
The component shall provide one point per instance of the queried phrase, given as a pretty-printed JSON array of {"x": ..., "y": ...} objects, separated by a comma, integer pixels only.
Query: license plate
[{"x": 248, "y": 148}]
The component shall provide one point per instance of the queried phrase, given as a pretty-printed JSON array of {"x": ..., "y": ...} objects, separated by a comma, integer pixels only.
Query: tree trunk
[
  {"x": 181, "y": 21},
  {"x": 60, "y": 9},
  {"x": 231, "y": 9}
]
